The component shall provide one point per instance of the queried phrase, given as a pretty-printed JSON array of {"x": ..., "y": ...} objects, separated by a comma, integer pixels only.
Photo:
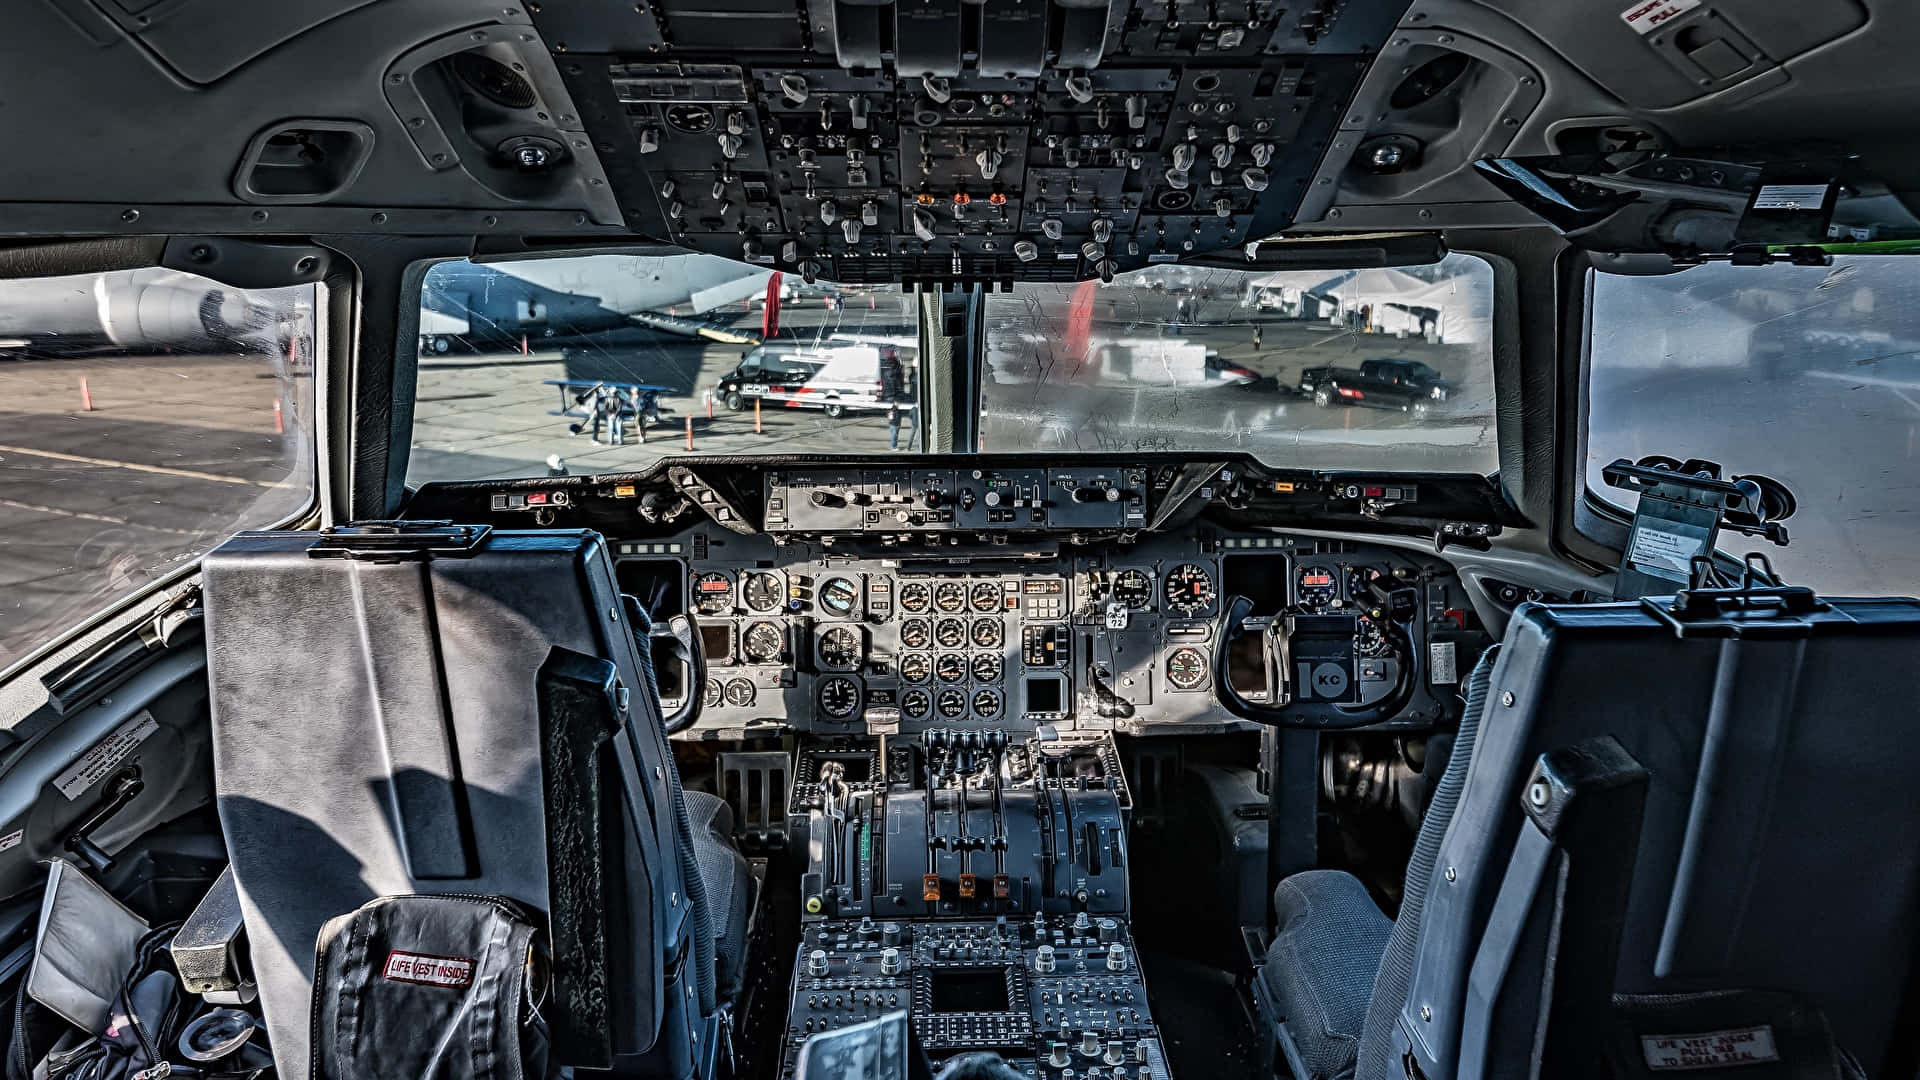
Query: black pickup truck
[{"x": 1406, "y": 385}]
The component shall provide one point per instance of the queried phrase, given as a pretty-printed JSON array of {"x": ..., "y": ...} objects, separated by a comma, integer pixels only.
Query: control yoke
[{"x": 1307, "y": 669}]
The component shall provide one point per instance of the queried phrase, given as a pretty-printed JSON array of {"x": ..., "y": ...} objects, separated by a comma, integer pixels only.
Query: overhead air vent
[
  {"x": 493, "y": 80},
  {"x": 303, "y": 161}
]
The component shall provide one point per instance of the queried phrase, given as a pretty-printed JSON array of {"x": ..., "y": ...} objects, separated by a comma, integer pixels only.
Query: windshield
[
  {"x": 1361, "y": 369},
  {"x": 144, "y": 416},
  {"x": 607, "y": 363},
  {"x": 1810, "y": 375}
]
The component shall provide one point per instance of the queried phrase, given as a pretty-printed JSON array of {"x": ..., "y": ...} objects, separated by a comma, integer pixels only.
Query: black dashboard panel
[
  {"x": 854, "y": 597},
  {"x": 962, "y": 140}
]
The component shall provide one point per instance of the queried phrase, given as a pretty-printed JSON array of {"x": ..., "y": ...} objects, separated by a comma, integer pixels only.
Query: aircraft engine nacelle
[{"x": 146, "y": 308}]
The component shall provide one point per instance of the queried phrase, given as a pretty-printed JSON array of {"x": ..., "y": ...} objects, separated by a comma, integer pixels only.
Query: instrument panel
[{"x": 806, "y": 633}]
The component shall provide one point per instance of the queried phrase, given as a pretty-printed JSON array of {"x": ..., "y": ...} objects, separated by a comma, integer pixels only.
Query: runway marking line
[
  {"x": 136, "y": 467},
  {"x": 82, "y": 515}
]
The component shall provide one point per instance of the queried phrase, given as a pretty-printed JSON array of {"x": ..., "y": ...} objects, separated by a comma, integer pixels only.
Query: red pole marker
[
  {"x": 524, "y": 350},
  {"x": 86, "y": 397},
  {"x": 709, "y": 404},
  {"x": 689, "y": 433},
  {"x": 756, "y": 415},
  {"x": 279, "y": 420}
]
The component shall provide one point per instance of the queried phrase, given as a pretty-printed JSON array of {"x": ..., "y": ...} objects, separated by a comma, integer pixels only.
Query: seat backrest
[
  {"x": 1769, "y": 857},
  {"x": 377, "y": 731}
]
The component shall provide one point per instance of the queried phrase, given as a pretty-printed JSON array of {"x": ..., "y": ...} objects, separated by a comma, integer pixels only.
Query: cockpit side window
[
  {"x": 145, "y": 415},
  {"x": 1809, "y": 375}
]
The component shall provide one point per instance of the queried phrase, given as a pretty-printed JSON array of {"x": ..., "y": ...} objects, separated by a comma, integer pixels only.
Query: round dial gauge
[
  {"x": 761, "y": 592},
  {"x": 690, "y": 118},
  {"x": 915, "y": 667},
  {"x": 763, "y": 643},
  {"x": 1134, "y": 589},
  {"x": 1370, "y": 639},
  {"x": 985, "y": 596},
  {"x": 1189, "y": 591},
  {"x": 952, "y": 703},
  {"x": 951, "y": 667},
  {"x": 840, "y": 647},
  {"x": 713, "y": 593},
  {"x": 986, "y": 633},
  {"x": 739, "y": 693},
  {"x": 915, "y": 597},
  {"x": 986, "y": 667},
  {"x": 1186, "y": 669},
  {"x": 950, "y": 633},
  {"x": 915, "y": 703},
  {"x": 916, "y": 633},
  {"x": 712, "y": 694},
  {"x": 950, "y": 596},
  {"x": 1316, "y": 588},
  {"x": 839, "y": 697},
  {"x": 838, "y": 597},
  {"x": 986, "y": 703}
]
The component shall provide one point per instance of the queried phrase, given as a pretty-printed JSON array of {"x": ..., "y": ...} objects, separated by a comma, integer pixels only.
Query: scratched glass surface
[
  {"x": 1324, "y": 369},
  {"x": 1807, "y": 374},
  {"x": 607, "y": 363}
]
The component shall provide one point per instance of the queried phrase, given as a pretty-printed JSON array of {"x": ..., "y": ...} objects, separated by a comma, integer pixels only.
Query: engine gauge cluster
[{"x": 713, "y": 593}]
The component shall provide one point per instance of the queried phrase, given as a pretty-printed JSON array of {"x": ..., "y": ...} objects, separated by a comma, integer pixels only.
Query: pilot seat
[
  {"x": 1746, "y": 897},
  {"x": 383, "y": 702}
]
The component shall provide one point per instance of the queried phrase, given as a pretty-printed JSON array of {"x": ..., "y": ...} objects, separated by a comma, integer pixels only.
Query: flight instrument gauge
[
  {"x": 1134, "y": 589},
  {"x": 915, "y": 633},
  {"x": 1370, "y": 640},
  {"x": 985, "y": 596},
  {"x": 1316, "y": 588},
  {"x": 713, "y": 593},
  {"x": 840, "y": 648},
  {"x": 987, "y": 633},
  {"x": 763, "y": 643},
  {"x": 916, "y": 597},
  {"x": 1186, "y": 669},
  {"x": 1189, "y": 591},
  {"x": 838, "y": 597},
  {"x": 950, "y": 633},
  {"x": 952, "y": 703},
  {"x": 839, "y": 697},
  {"x": 712, "y": 694},
  {"x": 986, "y": 703},
  {"x": 915, "y": 667},
  {"x": 986, "y": 667},
  {"x": 761, "y": 592},
  {"x": 951, "y": 667},
  {"x": 950, "y": 596},
  {"x": 739, "y": 693},
  {"x": 915, "y": 703}
]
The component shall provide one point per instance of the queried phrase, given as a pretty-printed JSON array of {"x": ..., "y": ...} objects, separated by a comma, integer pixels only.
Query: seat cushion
[
  {"x": 729, "y": 885},
  {"x": 1321, "y": 966}
]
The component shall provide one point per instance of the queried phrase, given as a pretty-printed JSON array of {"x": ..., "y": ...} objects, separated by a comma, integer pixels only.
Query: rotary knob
[
  {"x": 1116, "y": 1053},
  {"x": 1043, "y": 959},
  {"x": 1081, "y": 921},
  {"x": 890, "y": 962},
  {"x": 1108, "y": 930},
  {"x": 817, "y": 963},
  {"x": 1116, "y": 957},
  {"x": 1057, "y": 1054},
  {"x": 1089, "y": 1045},
  {"x": 890, "y": 934},
  {"x": 992, "y": 498}
]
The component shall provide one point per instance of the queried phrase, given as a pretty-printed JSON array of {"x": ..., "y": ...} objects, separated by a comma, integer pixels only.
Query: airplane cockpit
[{"x": 961, "y": 539}]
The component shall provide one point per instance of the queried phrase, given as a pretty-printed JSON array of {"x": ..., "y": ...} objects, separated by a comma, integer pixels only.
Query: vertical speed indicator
[{"x": 1188, "y": 589}]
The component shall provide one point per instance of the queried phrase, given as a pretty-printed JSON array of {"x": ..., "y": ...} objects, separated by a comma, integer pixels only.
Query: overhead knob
[
  {"x": 1102, "y": 230},
  {"x": 1025, "y": 250},
  {"x": 932, "y": 497},
  {"x": 1081, "y": 920},
  {"x": 1254, "y": 179},
  {"x": 817, "y": 963},
  {"x": 890, "y": 934},
  {"x": 829, "y": 212},
  {"x": 1262, "y": 153},
  {"x": 1177, "y": 179},
  {"x": 1116, "y": 957},
  {"x": 827, "y": 500},
  {"x": 1053, "y": 228},
  {"x": 923, "y": 225},
  {"x": 1223, "y": 206},
  {"x": 1057, "y": 1055},
  {"x": 1222, "y": 153},
  {"x": 869, "y": 214},
  {"x": 1043, "y": 959},
  {"x": 1183, "y": 157},
  {"x": 1116, "y": 1053},
  {"x": 1108, "y": 929},
  {"x": 993, "y": 498},
  {"x": 1089, "y": 1044},
  {"x": 890, "y": 961},
  {"x": 850, "y": 228},
  {"x": 730, "y": 146},
  {"x": 858, "y": 106},
  {"x": 649, "y": 140},
  {"x": 1136, "y": 111},
  {"x": 989, "y": 162}
]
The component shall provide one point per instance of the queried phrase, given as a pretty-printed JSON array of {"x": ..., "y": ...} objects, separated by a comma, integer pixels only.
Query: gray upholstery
[
  {"x": 1321, "y": 965},
  {"x": 729, "y": 885},
  {"x": 1338, "y": 968},
  {"x": 1390, "y": 985}
]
